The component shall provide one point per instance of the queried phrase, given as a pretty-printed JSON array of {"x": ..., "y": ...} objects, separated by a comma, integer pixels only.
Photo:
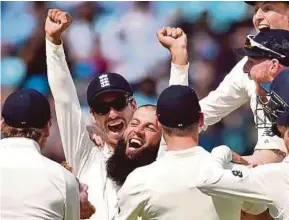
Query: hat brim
[
  {"x": 111, "y": 90},
  {"x": 247, "y": 52},
  {"x": 250, "y": 2}
]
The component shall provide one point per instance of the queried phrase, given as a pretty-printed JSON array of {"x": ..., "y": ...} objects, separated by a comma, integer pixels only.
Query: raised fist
[
  {"x": 172, "y": 38},
  {"x": 57, "y": 22}
]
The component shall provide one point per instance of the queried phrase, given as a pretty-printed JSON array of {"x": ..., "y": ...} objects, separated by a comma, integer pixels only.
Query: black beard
[{"x": 119, "y": 165}]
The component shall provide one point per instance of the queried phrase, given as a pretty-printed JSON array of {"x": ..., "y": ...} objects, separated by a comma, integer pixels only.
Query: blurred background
[{"x": 121, "y": 37}]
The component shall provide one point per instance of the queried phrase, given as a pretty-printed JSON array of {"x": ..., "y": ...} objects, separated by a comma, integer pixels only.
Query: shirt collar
[
  {"x": 20, "y": 142},
  {"x": 106, "y": 151},
  {"x": 286, "y": 159},
  {"x": 186, "y": 152}
]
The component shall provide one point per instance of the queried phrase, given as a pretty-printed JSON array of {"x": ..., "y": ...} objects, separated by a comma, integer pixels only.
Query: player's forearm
[
  {"x": 265, "y": 156},
  {"x": 243, "y": 184},
  {"x": 179, "y": 67},
  {"x": 179, "y": 56},
  {"x": 59, "y": 77}
]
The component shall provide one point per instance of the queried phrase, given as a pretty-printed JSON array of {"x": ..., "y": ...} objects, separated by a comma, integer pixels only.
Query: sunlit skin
[
  {"x": 119, "y": 119},
  {"x": 262, "y": 70},
  {"x": 284, "y": 131},
  {"x": 142, "y": 131},
  {"x": 273, "y": 15},
  {"x": 267, "y": 15}
]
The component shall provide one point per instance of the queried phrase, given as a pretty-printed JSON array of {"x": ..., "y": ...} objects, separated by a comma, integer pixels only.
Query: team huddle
[{"x": 145, "y": 162}]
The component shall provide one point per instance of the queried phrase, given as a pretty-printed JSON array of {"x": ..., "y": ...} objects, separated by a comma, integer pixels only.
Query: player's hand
[
  {"x": 57, "y": 22},
  {"x": 172, "y": 38},
  {"x": 94, "y": 134},
  {"x": 236, "y": 158},
  {"x": 175, "y": 40}
]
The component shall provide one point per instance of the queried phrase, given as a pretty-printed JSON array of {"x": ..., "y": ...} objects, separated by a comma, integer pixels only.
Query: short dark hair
[{"x": 180, "y": 132}]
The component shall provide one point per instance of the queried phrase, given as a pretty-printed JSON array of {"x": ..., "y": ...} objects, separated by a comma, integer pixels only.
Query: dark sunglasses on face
[{"x": 118, "y": 104}]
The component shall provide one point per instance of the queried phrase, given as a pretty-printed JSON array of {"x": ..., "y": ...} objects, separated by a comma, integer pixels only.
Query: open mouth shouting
[
  {"x": 134, "y": 144},
  {"x": 116, "y": 126}
]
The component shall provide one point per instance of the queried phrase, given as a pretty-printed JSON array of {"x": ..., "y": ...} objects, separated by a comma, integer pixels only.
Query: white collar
[
  {"x": 106, "y": 151},
  {"x": 186, "y": 152},
  {"x": 19, "y": 142},
  {"x": 286, "y": 159}
]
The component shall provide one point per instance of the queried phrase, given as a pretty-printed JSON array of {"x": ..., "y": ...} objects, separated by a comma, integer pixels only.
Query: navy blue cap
[
  {"x": 178, "y": 107},
  {"x": 107, "y": 82},
  {"x": 26, "y": 108},
  {"x": 279, "y": 87},
  {"x": 254, "y": 2},
  {"x": 274, "y": 39}
]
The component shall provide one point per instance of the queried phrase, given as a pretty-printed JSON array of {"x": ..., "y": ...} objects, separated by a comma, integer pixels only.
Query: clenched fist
[
  {"x": 172, "y": 38},
  {"x": 57, "y": 22},
  {"x": 175, "y": 40}
]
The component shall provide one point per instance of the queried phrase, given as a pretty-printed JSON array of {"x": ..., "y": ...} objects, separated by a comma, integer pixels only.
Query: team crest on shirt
[{"x": 104, "y": 81}]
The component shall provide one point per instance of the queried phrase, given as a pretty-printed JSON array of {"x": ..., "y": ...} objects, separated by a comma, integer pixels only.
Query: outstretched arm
[
  {"x": 75, "y": 139},
  {"x": 175, "y": 40}
]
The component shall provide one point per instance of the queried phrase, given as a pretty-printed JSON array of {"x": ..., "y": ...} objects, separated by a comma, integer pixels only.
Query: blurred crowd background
[{"x": 121, "y": 37}]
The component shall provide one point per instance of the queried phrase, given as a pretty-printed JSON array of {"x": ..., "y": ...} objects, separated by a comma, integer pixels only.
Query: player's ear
[
  {"x": 133, "y": 105},
  {"x": 282, "y": 129},
  {"x": 2, "y": 123},
  {"x": 159, "y": 126},
  {"x": 92, "y": 115},
  {"x": 274, "y": 69},
  {"x": 201, "y": 120}
]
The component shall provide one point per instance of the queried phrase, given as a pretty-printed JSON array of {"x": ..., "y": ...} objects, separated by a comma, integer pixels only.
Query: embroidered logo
[{"x": 104, "y": 81}]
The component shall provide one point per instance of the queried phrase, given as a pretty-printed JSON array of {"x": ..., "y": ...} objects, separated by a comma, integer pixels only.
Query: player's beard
[{"x": 119, "y": 166}]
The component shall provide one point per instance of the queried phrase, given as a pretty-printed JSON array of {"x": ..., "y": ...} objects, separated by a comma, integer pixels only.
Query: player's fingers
[
  {"x": 57, "y": 16},
  {"x": 168, "y": 31},
  {"x": 53, "y": 13},
  {"x": 65, "y": 19},
  {"x": 180, "y": 32},
  {"x": 98, "y": 140},
  {"x": 174, "y": 32},
  {"x": 161, "y": 32},
  {"x": 236, "y": 158},
  {"x": 49, "y": 13}
]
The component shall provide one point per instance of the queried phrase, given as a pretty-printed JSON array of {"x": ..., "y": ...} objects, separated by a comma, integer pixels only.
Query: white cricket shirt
[
  {"x": 267, "y": 183},
  {"x": 167, "y": 189},
  {"x": 34, "y": 187}
]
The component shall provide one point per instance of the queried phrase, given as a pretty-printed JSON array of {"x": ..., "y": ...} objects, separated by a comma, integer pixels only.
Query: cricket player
[
  {"x": 266, "y": 183},
  {"x": 139, "y": 146},
  {"x": 166, "y": 189},
  {"x": 236, "y": 89},
  {"x": 32, "y": 186},
  {"x": 111, "y": 107}
]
